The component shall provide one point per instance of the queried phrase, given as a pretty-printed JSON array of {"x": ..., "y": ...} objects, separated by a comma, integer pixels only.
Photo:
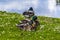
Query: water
[{"x": 41, "y": 7}]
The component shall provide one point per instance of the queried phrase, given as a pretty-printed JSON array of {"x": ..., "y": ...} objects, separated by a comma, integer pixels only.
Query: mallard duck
[{"x": 35, "y": 22}]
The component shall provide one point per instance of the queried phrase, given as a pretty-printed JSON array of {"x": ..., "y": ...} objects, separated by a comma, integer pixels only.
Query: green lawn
[{"x": 49, "y": 28}]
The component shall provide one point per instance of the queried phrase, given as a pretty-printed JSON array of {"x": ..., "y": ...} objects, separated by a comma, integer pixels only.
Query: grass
[{"x": 49, "y": 28}]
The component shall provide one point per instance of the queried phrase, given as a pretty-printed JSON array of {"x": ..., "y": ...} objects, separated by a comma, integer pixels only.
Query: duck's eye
[{"x": 30, "y": 13}]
